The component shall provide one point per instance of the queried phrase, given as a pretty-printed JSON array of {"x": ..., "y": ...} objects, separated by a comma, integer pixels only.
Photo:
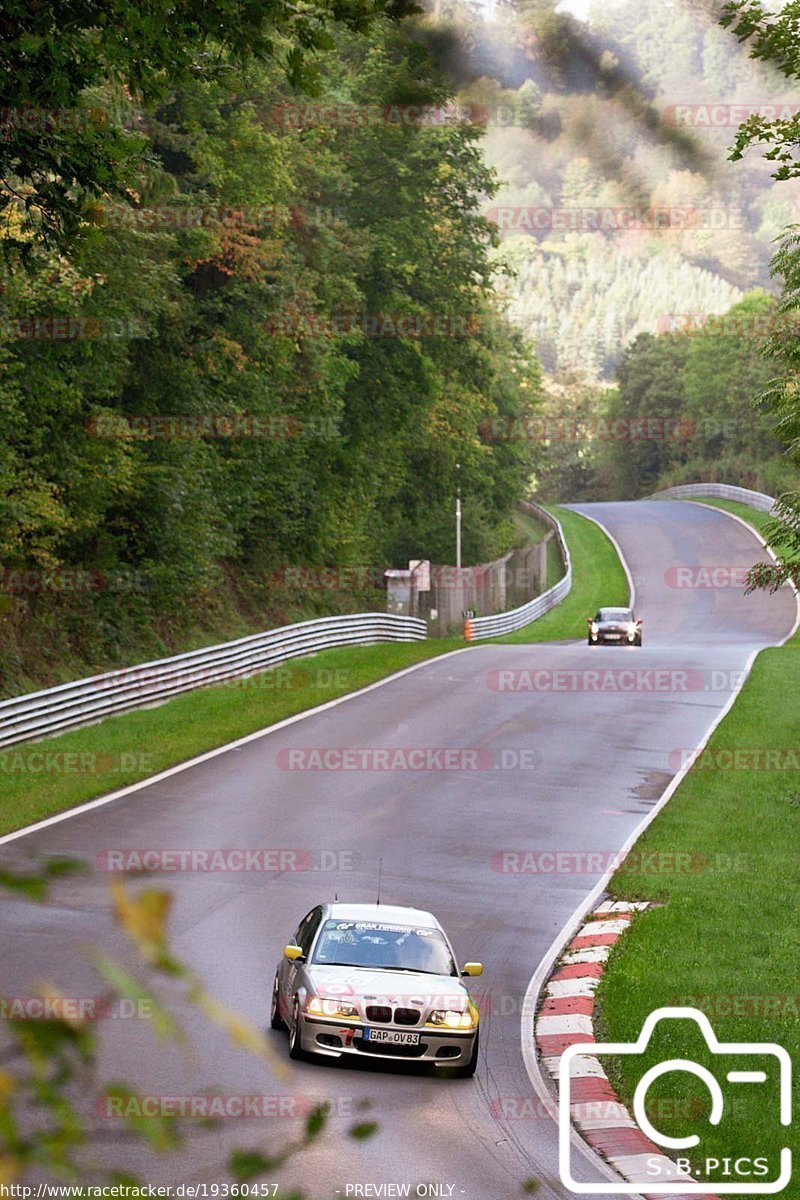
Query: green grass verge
[
  {"x": 38, "y": 779},
  {"x": 597, "y": 578},
  {"x": 530, "y": 530},
  {"x": 721, "y": 858}
]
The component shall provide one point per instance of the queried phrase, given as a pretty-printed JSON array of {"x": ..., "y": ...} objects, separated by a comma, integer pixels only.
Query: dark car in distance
[{"x": 614, "y": 626}]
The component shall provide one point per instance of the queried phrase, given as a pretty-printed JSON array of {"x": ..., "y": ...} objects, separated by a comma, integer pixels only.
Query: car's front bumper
[
  {"x": 446, "y": 1048},
  {"x": 605, "y": 639}
]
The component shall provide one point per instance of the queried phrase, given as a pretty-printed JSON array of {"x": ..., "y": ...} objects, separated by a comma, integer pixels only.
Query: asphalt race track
[{"x": 593, "y": 763}]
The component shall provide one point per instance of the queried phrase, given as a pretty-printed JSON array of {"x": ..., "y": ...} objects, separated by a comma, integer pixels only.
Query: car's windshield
[
  {"x": 383, "y": 946},
  {"x": 614, "y": 614}
]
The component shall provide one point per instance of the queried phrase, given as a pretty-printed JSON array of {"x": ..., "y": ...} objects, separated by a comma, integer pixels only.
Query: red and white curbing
[{"x": 566, "y": 1019}]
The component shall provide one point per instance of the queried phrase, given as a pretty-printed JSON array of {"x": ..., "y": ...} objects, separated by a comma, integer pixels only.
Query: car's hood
[{"x": 395, "y": 988}]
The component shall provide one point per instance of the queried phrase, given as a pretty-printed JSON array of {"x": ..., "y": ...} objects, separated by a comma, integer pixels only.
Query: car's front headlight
[
  {"x": 450, "y": 1019},
  {"x": 320, "y": 1007},
  {"x": 595, "y": 628},
  {"x": 631, "y": 629}
]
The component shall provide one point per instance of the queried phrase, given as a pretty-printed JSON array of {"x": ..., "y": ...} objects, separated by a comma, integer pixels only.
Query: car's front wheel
[
  {"x": 276, "y": 1021},
  {"x": 469, "y": 1068},
  {"x": 295, "y": 1049},
  {"x": 637, "y": 641}
]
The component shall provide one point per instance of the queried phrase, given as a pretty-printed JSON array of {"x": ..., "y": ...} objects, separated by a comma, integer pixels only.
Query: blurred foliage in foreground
[{"x": 50, "y": 1085}]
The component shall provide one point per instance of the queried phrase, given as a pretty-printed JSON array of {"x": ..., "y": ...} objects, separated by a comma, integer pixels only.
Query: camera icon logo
[{"x": 657, "y": 1174}]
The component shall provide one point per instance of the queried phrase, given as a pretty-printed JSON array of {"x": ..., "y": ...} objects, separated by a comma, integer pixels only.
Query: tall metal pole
[{"x": 458, "y": 516}]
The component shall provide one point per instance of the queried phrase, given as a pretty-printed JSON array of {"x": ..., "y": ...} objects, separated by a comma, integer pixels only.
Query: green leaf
[
  {"x": 363, "y": 1130},
  {"x": 58, "y": 866},
  {"x": 317, "y": 1120},
  {"x": 248, "y": 1164},
  {"x": 32, "y": 886}
]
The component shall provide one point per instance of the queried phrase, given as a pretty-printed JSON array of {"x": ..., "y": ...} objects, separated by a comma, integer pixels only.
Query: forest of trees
[
  {"x": 253, "y": 318},
  {"x": 590, "y": 120},
  {"x": 242, "y": 340},
  {"x": 684, "y": 409}
]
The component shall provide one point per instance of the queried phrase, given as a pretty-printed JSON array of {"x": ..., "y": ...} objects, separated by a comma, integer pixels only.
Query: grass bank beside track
[
  {"x": 597, "y": 578},
  {"x": 726, "y": 939},
  {"x": 40, "y": 778}
]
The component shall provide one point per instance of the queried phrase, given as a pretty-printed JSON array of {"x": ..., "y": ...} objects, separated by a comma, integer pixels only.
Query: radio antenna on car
[{"x": 380, "y": 872}]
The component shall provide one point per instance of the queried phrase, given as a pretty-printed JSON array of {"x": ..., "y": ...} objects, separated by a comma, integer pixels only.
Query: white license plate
[
  {"x": 395, "y": 1037},
  {"x": 613, "y": 637}
]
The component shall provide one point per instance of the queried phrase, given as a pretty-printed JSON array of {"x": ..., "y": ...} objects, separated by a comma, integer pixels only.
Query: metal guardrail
[
  {"x": 477, "y": 628},
  {"x": 86, "y": 700},
  {"x": 717, "y": 491}
]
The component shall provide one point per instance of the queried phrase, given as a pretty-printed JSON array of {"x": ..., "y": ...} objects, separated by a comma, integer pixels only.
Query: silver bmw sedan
[{"x": 376, "y": 980}]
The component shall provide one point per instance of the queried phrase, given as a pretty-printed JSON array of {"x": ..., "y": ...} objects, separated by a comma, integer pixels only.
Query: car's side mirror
[
  {"x": 293, "y": 953},
  {"x": 472, "y": 969}
]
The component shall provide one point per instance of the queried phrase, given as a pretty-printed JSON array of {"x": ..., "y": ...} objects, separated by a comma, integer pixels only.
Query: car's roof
[
  {"x": 614, "y": 609},
  {"x": 391, "y": 913}
]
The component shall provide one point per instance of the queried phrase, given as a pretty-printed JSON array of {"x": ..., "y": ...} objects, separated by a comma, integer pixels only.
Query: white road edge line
[
  {"x": 539, "y": 977},
  {"x": 617, "y": 547},
  {"x": 243, "y": 741},
  {"x": 544, "y": 969},
  {"x": 769, "y": 550},
  {"x": 209, "y": 754}
]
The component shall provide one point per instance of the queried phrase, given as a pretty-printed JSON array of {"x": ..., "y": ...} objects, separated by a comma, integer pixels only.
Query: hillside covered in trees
[
  {"x": 685, "y": 409},
  {"x": 634, "y": 110},
  {"x": 638, "y": 227},
  {"x": 247, "y": 334},
  {"x": 266, "y": 301}
]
